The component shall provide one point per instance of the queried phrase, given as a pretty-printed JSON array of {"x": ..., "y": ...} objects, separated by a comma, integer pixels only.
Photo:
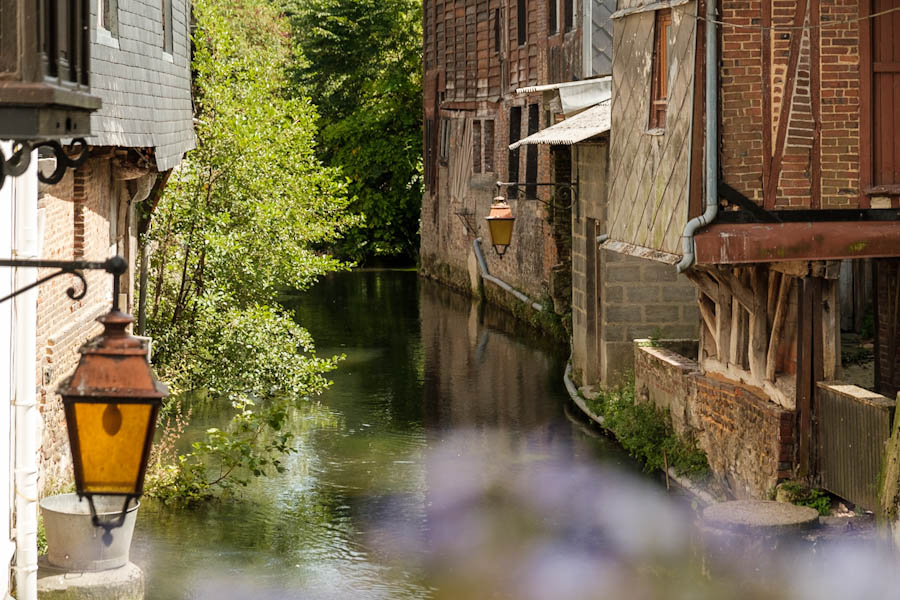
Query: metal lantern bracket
[
  {"x": 18, "y": 162},
  {"x": 115, "y": 266},
  {"x": 108, "y": 525},
  {"x": 564, "y": 194}
]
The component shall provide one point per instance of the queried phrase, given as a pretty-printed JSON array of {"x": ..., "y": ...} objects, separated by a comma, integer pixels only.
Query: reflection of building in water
[{"x": 477, "y": 376}]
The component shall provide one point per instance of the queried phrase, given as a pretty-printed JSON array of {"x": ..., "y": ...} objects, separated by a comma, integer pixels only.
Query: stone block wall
[
  {"x": 75, "y": 215},
  {"x": 747, "y": 439}
]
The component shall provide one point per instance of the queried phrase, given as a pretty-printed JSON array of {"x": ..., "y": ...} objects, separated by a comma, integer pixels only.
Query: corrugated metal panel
[
  {"x": 582, "y": 126},
  {"x": 853, "y": 427}
]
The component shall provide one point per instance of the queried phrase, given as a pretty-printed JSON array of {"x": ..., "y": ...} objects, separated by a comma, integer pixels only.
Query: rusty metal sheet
[
  {"x": 775, "y": 242},
  {"x": 640, "y": 252}
]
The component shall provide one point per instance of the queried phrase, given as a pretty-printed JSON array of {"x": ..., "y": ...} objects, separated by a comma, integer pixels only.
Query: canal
[{"x": 444, "y": 420}]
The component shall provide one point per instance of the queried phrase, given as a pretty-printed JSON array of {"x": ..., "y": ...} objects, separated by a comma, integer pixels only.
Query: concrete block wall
[
  {"x": 75, "y": 217},
  {"x": 748, "y": 440}
]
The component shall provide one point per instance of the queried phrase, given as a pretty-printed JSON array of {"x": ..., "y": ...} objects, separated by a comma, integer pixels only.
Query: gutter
[
  {"x": 712, "y": 144},
  {"x": 485, "y": 274}
]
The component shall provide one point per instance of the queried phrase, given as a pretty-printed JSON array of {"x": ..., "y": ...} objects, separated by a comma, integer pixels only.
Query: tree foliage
[
  {"x": 360, "y": 62},
  {"x": 239, "y": 222}
]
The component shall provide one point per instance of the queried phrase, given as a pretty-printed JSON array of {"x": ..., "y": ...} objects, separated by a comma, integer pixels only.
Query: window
[
  {"x": 108, "y": 16},
  {"x": 515, "y": 132},
  {"x": 531, "y": 154},
  {"x": 522, "y": 21},
  {"x": 168, "y": 37},
  {"x": 496, "y": 31},
  {"x": 553, "y": 20},
  {"x": 659, "y": 84},
  {"x": 569, "y": 14},
  {"x": 483, "y": 146}
]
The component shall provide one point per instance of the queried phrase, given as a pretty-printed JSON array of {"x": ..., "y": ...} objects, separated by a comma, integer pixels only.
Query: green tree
[
  {"x": 360, "y": 62},
  {"x": 239, "y": 222}
]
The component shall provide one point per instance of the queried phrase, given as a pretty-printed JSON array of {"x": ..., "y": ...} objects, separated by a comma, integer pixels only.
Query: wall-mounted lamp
[{"x": 501, "y": 220}]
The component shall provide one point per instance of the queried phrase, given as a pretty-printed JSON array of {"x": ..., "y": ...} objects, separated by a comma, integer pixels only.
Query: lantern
[
  {"x": 500, "y": 224},
  {"x": 111, "y": 403}
]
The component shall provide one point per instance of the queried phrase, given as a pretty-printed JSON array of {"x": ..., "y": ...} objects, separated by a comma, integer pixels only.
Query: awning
[
  {"x": 582, "y": 126},
  {"x": 575, "y": 96}
]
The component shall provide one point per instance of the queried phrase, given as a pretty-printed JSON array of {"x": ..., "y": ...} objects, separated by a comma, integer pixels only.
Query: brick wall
[
  {"x": 76, "y": 225},
  {"x": 748, "y": 440},
  {"x": 816, "y": 153}
]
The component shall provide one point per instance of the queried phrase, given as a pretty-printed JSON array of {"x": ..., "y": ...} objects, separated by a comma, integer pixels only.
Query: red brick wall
[
  {"x": 748, "y": 440},
  {"x": 817, "y": 168},
  {"x": 75, "y": 217}
]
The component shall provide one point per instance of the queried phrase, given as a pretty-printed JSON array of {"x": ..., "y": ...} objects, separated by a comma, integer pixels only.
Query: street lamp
[
  {"x": 500, "y": 225},
  {"x": 500, "y": 219},
  {"x": 111, "y": 402}
]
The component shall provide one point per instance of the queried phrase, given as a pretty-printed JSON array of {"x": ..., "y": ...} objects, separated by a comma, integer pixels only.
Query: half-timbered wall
[{"x": 649, "y": 169}]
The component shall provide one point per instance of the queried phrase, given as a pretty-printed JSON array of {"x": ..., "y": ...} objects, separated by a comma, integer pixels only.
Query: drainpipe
[
  {"x": 712, "y": 144},
  {"x": 27, "y": 424},
  {"x": 485, "y": 274}
]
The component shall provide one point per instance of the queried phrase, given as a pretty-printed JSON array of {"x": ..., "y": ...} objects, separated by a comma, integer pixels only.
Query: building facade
[{"x": 760, "y": 180}]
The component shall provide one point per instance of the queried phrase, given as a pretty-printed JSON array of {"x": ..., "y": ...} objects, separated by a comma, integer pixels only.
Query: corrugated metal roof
[
  {"x": 564, "y": 84},
  {"x": 582, "y": 126}
]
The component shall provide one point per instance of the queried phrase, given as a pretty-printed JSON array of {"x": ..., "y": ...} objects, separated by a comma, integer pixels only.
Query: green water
[{"x": 358, "y": 512}]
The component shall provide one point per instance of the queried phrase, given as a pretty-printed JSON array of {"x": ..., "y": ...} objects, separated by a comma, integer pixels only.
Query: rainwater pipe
[
  {"x": 485, "y": 274},
  {"x": 27, "y": 419},
  {"x": 712, "y": 144}
]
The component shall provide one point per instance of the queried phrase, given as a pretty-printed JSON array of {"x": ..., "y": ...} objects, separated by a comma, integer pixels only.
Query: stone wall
[{"x": 747, "y": 439}]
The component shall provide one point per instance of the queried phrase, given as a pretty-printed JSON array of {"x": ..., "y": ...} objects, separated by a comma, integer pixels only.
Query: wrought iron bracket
[
  {"x": 115, "y": 266},
  {"x": 564, "y": 193},
  {"x": 20, "y": 159}
]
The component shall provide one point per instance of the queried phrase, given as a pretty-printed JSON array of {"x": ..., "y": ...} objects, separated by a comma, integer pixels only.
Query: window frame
[{"x": 659, "y": 72}]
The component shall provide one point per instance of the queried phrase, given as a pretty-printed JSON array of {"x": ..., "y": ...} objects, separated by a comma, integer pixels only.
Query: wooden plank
[
  {"x": 734, "y": 348},
  {"x": 781, "y": 308},
  {"x": 787, "y": 101},
  {"x": 736, "y": 287},
  {"x": 865, "y": 102},
  {"x": 723, "y": 325},
  {"x": 708, "y": 312},
  {"x": 815, "y": 85},
  {"x": 758, "y": 323},
  {"x": 771, "y": 295},
  {"x": 703, "y": 281},
  {"x": 804, "y": 380},
  {"x": 831, "y": 330},
  {"x": 794, "y": 268}
]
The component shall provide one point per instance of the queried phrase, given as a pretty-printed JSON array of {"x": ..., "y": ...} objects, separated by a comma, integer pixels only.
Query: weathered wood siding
[{"x": 648, "y": 186}]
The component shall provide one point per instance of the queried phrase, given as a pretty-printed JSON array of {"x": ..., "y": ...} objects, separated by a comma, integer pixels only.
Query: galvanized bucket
[{"x": 75, "y": 544}]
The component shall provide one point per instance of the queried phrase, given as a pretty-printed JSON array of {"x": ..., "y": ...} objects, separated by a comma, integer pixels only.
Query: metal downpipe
[{"x": 712, "y": 144}]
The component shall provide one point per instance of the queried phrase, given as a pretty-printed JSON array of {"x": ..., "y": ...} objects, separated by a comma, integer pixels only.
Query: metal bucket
[{"x": 75, "y": 544}]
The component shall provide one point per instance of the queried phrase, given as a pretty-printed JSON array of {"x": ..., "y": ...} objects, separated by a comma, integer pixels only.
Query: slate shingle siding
[{"x": 146, "y": 96}]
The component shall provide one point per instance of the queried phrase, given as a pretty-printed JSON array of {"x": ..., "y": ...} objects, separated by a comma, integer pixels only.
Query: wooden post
[
  {"x": 777, "y": 326},
  {"x": 831, "y": 330},
  {"x": 723, "y": 325},
  {"x": 707, "y": 311},
  {"x": 804, "y": 375},
  {"x": 758, "y": 324}
]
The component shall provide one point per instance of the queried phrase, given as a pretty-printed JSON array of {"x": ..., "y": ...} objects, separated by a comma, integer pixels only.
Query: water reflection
[{"x": 363, "y": 506}]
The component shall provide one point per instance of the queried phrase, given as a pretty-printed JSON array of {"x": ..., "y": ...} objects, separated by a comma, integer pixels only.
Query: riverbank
[{"x": 696, "y": 490}]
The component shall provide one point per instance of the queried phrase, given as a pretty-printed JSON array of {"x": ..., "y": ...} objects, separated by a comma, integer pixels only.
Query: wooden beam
[
  {"x": 805, "y": 377},
  {"x": 703, "y": 281},
  {"x": 758, "y": 323},
  {"x": 794, "y": 268},
  {"x": 781, "y": 308},
  {"x": 736, "y": 287},
  {"x": 723, "y": 325},
  {"x": 734, "y": 347},
  {"x": 708, "y": 312}
]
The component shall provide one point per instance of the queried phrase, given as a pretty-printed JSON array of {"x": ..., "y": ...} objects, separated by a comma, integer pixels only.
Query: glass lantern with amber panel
[{"x": 111, "y": 403}]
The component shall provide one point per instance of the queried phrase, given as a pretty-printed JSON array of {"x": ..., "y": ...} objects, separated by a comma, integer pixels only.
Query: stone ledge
[{"x": 124, "y": 583}]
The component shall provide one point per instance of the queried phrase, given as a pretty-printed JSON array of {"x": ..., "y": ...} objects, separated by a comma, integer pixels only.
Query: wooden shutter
[
  {"x": 886, "y": 96},
  {"x": 531, "y": 154},
  {"x": 522, "y": 21},
  {"x": 515, "y": 132}
]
